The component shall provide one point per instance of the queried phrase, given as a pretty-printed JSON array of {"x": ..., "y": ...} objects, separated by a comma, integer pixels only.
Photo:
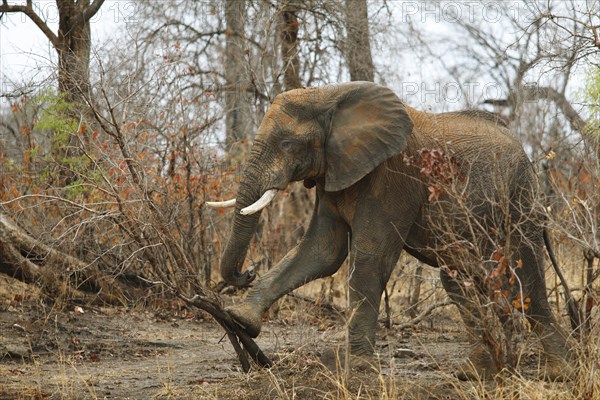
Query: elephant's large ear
[{"x": 369, "y": 125}]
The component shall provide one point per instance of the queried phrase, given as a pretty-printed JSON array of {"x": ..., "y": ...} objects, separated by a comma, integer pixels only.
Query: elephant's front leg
[
  {"x": 319, "y": 254},
  {"x": 380, "y": 229},
  {"x": 371, "y": 263},
  {"x": 375, "y": 249}
]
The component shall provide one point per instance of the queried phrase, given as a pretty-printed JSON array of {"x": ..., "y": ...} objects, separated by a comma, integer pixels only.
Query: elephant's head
[{"x": 333, "y": 135}]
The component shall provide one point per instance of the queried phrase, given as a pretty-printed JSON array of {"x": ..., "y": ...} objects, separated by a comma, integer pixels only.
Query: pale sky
[
  {"x": 25, "y": 50},
  {"x": 27, "y": 56}
]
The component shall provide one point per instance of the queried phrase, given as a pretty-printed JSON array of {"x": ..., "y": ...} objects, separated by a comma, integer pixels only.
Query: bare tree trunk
[
  {"x": 288, "y": 28},
  {"x": 237, "y": 107},
  {"x": 73, "y": 45},
  {"x": 358, "y": 45}
]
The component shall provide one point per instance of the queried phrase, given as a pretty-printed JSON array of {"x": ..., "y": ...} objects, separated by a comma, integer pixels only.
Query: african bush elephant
[{"x": 365, "y": 151}]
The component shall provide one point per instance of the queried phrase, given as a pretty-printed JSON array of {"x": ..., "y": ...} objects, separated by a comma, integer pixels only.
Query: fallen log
[{"x": 58, "y": 274}]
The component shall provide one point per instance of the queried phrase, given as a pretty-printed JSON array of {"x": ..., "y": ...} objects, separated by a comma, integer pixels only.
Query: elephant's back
[
  {"x": 490, "y": 157},
  {"x": 470, "y": 134},
  {"x": 482, "y": 129}
]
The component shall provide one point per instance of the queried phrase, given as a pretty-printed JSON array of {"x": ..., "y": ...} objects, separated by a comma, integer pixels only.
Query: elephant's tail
[{"x": 572, "y": 306}]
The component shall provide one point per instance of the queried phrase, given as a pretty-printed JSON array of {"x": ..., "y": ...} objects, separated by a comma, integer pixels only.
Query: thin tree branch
[
  {"x": 577, "y": 123},
  {"x": 28, "y": 10},
  {"x": 92, "y": 9},
  {"x": 424, "y": 314}
]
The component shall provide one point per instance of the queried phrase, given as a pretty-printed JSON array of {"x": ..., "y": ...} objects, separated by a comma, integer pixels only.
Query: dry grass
[
  {"x": 297, "y": 378},
  {"x": 298, "y": 332}
]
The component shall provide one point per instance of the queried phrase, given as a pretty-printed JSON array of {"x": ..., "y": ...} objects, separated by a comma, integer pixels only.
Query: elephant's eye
[{"x": 286, "y": 145}]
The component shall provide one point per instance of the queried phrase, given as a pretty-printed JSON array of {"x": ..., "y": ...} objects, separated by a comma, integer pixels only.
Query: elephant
[{"x": 365, "y": 150}]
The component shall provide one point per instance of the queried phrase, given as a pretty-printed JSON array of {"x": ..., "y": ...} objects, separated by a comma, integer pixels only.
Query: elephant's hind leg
[
  {"x": 479, "y": 364},
  {"x": 553, "y": 338}
]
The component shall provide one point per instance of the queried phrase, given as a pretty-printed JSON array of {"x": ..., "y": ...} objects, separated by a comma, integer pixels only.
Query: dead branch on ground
[
  {"x": 245, "y": 347},
  {"x": 31, "y": 261}
]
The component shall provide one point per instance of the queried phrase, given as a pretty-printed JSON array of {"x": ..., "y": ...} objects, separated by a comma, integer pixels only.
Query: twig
[
  {"x": 324, "y": 304},
  {"x": 573, "y": 308},
  {"x": 424, "y": 314}
]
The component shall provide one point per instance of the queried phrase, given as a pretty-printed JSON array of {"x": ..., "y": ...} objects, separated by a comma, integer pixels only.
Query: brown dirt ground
[{"x": 109, "y": 353}]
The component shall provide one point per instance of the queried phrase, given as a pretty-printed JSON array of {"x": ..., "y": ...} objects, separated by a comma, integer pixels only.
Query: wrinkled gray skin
[{"x": 351, "y": 140}]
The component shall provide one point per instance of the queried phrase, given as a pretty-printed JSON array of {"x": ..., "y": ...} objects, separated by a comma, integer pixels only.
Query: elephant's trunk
[
  {"x": 242, "y": 229},
  {"x": 252, "y": 188}
]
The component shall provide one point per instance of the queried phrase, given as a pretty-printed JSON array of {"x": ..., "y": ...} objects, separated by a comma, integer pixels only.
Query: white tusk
[
  {"x": 260, "y": 203},
  {"x": 220, "y": 204}
]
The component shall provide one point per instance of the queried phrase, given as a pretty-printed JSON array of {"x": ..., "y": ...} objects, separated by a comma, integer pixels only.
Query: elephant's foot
[
  {"x": 556, "y": 369},
  {"x": 248, "y": 317},
  {"x": 335, "y": 360},
  {"x": 479, "y": 365},
  {"x": 559, "y": 354}
]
